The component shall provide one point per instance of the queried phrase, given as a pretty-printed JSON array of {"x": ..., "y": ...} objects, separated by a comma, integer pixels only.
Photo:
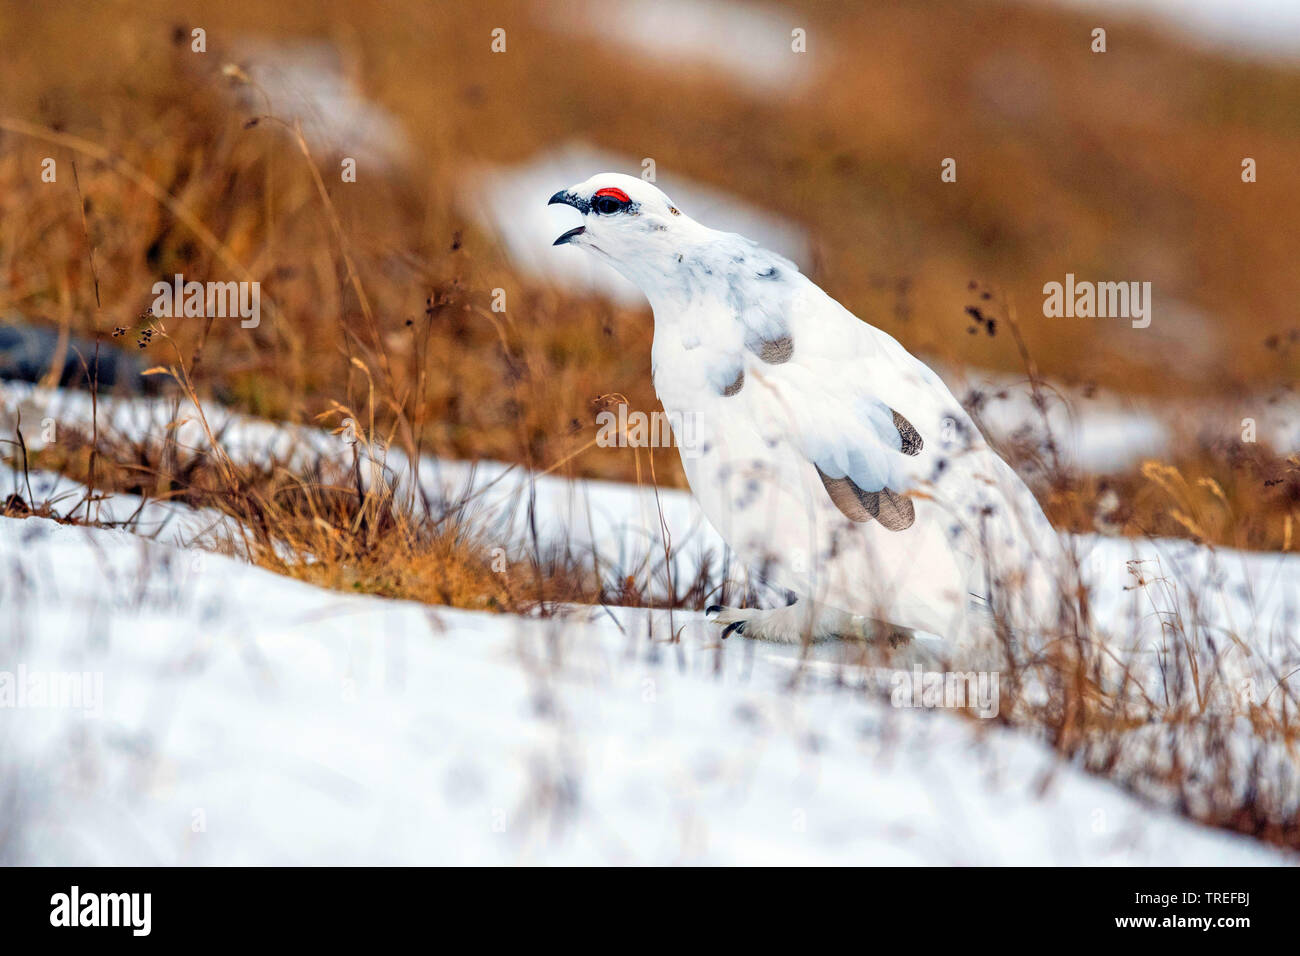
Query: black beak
[
  {"x": 569, "y": 236},
  {"x": 567, "y": 198}
]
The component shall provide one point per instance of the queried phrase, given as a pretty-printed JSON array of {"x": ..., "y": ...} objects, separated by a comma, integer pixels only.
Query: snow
[
  {"x": 748, "y": 44},
  {"x": 165, "y": 521},
  {"x": 1100, "y": 432},
  {"x": 306, "y": 82},
  {"x": 1261, "y": 28},
  {"x": 243, "y": 437},
  {"x": 248, "y": 718}
]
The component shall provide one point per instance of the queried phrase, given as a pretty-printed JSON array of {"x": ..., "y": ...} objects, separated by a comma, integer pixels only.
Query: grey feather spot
[
  {"x": 777, "y": 351},
  {"x": 735, "y": 387},
  {"x": 912, "y": 443},
  {"x": 773, "y": 351},
  {"x": 891, "y": 509}
]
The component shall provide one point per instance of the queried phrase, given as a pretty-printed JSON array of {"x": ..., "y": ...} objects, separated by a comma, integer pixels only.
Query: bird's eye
[{"x": 609, "y": 200}]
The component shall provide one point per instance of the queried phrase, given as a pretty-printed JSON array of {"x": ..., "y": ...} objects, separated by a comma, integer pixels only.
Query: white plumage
[{"x": 834, "y": 463}]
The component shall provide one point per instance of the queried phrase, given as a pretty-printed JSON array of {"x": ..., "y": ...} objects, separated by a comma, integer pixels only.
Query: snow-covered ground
[
  {"x": 173, "y": 523},
  {"x": 247, "y": 718},
  {"x": 238, "y": 716}
]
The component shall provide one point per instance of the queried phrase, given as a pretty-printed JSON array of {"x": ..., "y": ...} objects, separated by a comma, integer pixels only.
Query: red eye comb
[{"x": 612, "y": 193}]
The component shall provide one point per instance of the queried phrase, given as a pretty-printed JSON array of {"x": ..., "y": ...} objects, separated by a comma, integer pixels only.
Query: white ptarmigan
[{"x": 835, "y": 464}]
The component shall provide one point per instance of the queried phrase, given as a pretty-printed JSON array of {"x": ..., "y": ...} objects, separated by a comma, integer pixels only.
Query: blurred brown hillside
[{"x": 1117, "y": 166}]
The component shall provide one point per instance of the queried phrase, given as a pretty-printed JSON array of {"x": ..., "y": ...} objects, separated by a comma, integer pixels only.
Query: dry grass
[
  {"x": 1123, "y": 165},
  {"x": 1235, "y": 495},
  {"x": 344, "y": 526}
]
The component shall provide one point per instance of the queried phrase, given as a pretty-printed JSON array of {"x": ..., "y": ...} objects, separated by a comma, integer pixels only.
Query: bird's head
[{"x": 628, "y": 222}]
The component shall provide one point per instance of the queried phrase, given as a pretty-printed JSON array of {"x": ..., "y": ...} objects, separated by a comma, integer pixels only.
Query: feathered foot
[{"x": 791, "y": 625}]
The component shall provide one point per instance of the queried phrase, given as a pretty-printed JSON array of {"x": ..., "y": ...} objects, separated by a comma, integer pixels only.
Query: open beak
[{"x": 577, "y": 202}]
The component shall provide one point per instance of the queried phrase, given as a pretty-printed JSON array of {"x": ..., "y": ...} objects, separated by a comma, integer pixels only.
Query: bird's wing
[
  {"x": 863, "y": 492},
  {"x": 854, "y": 402},
  {"x": 860, "y": 451}
]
